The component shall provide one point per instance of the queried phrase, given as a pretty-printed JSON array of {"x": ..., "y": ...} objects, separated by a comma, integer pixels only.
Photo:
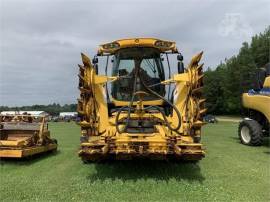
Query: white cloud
[
  {"x": 41, "y": 41},
  {"x": 235, "y": 25}
]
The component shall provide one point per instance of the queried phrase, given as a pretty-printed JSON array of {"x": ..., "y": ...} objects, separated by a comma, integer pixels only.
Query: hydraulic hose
[
  {"x": 163, "y": 114},
  {"x": 129, "y": 107}
]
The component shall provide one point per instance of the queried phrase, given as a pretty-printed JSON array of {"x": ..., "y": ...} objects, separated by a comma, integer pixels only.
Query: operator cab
[{"x": 137, "y": 67}]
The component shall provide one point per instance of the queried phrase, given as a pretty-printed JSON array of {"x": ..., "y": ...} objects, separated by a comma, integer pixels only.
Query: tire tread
[{"x": 256, "y": 132}]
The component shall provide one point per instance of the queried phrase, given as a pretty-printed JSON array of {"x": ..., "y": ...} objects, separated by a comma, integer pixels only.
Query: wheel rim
[{"x": 245, "y": 134}]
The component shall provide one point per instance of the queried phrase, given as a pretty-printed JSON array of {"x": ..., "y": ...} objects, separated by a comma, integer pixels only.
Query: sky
[{"x": 41, "y": 40}]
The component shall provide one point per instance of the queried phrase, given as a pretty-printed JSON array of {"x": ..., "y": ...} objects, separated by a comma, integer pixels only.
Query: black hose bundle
[
  {"x": 161, "y": 111},
  {"x": 129, "y": 107}
]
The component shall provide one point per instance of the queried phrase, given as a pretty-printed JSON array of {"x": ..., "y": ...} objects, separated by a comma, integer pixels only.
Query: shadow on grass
[
  {"x": 266, "y": 141},
  {"x": 28, "y": 160},
  {"x": 142, "y": 169},
  {"x": 235, "y": 138}
]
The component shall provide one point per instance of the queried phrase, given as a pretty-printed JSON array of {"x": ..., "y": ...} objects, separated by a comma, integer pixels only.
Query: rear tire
[{"x": 250, "y": 133}]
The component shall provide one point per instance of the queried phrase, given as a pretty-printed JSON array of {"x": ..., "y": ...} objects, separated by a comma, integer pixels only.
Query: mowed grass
[{"x": 229, "y": 172}]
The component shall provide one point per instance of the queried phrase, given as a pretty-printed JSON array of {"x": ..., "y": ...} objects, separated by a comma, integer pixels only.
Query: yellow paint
[
  {"x": 99, "y": 128},
  {"x": 137, "y": 42},
  {"x": 251, "y": 102},
  {"x": 258, "y": 102},
  {"x": 27, "y": 151},
  {"x": 15, "y": 145},
  {"x": 267, "y": 82},
  {"x": 124, "y": 103}
]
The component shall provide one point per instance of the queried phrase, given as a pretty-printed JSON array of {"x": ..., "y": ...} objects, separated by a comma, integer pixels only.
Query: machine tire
[
  {"x": 54, "y": 141},
  {"x": 250, "y": 133},
  {"x": 197, "y": 139}
]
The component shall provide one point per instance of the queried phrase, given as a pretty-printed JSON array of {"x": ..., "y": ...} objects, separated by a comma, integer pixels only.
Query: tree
[{"x": 225, "y": 85}]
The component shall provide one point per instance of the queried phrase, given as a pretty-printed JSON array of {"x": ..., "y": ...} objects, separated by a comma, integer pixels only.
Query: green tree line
[
  {"x": 224, "y": 85},
  {"x": 53, "y": 109}
]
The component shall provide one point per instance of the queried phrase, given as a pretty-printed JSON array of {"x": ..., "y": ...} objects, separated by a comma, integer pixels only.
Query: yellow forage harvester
[{"x": 135, "y": 112}]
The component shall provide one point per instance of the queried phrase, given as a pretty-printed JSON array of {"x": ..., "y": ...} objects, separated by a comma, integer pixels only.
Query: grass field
[{"x": 230, "y": 172}]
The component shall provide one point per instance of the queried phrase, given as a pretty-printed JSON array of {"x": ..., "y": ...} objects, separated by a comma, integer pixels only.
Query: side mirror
[
  {"x": 180, "y": 67},
  {"x": 96, "y": 68},
  {"x": 180, "y": 57},
  {"x": 95, "y": 60}
]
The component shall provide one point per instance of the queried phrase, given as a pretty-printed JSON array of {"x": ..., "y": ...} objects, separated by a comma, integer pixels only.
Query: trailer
[{"x": 24, "y": 135}]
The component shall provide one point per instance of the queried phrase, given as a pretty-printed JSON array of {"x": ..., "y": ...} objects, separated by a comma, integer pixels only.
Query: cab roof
[{"x": 161, "y": 45}]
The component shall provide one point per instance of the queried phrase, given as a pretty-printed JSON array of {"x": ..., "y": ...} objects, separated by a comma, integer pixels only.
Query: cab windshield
[{"x": 133, "y": 65}]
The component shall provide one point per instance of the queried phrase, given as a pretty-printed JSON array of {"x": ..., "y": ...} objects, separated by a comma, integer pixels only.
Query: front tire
[
  {"x": 250, "y": 133},
  {"x": 54, "y": 141}
]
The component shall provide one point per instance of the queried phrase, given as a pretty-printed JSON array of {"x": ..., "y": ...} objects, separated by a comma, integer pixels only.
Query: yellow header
[{"x": 161, "y": 45}]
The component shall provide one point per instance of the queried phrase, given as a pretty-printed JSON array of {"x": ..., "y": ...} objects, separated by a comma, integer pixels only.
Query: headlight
[
  {"x": 111, "y": 45},
  {"x": 163, "y": 44}
]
